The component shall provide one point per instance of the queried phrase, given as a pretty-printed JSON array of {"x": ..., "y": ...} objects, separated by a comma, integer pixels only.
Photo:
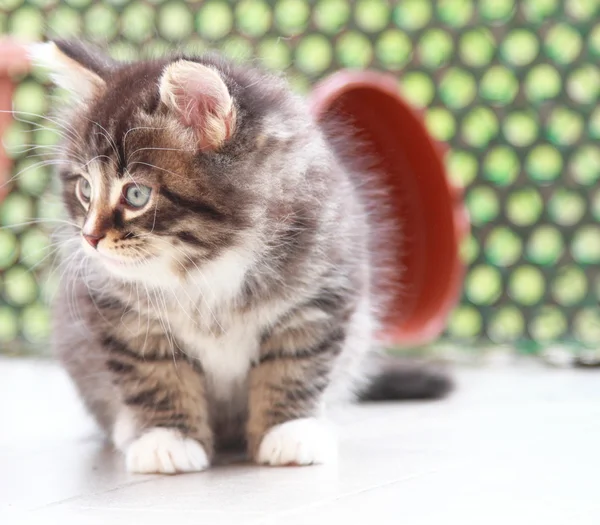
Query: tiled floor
[{"x": 512, "y": 446}]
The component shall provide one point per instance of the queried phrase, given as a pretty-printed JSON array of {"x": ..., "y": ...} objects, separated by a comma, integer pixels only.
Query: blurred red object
[
  {"x": 13, "y": 61},
  {"x": 428, "y": 208}
]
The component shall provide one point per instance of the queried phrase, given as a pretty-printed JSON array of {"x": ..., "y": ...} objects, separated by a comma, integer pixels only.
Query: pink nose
[{"x": 93, "y": 240}]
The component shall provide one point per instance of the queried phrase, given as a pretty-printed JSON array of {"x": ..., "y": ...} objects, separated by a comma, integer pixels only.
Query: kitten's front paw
[
  {"x": 298, "y": 442},
  {"x": 165, "y": 451}
]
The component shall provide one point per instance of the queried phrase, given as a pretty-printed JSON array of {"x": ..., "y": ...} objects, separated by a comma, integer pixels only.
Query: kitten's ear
[
  {"x": 201, "y": 100},
  {"x": 74, "y": 66}
]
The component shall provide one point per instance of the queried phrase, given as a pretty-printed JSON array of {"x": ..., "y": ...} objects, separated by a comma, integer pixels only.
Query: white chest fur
[
  {"x": 225, "y": 356},
  {"x": 226, "y": 344},
  {"x": 224, "y": 339}
]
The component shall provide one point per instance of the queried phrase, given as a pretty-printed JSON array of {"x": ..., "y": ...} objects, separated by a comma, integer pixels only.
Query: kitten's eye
[
  {"x": 84, "y": 188},
  {"x": 136, "y": 195}
]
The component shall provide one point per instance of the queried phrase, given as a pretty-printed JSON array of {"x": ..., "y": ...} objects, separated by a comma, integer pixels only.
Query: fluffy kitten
[{"x": 218, "y": 288}]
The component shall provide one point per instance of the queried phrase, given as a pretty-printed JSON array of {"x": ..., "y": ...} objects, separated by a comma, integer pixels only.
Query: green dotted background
[{"x": 511, "y": 86}]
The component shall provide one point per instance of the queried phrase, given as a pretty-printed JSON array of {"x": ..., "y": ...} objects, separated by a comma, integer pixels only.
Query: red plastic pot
[
  {"x": 13, "y": 61},
  {"x": 428, "y": 208}
]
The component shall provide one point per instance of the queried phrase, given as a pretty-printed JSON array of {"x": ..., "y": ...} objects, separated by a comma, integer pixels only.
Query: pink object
[
  {"x": 430, "y": 210},
  {"x": 13, "y": 61}
]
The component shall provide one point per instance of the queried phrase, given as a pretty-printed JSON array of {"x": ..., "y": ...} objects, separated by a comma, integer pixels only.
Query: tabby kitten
[{"x": 218, "y": 285}]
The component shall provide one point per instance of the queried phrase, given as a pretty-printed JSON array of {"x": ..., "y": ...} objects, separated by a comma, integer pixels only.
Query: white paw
[
  {"x": 298, "y": 442},
  {"x": 165, "y": 451}
]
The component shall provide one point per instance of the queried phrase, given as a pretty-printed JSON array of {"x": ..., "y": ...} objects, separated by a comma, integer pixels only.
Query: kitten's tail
[{"x": 397, "y": 379}]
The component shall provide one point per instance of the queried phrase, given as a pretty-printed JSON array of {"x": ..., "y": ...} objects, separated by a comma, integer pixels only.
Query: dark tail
[{"x": 397, "y": 379}]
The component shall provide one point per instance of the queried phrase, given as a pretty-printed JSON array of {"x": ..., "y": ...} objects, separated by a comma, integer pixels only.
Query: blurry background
[{"x": 511, "y": 87}]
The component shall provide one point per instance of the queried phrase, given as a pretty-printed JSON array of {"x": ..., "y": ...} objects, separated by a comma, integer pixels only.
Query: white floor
[{"x": 512, "y": 446}]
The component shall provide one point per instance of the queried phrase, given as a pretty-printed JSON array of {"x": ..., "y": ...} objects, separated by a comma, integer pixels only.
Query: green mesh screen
[{"x": 510, "y": 85}]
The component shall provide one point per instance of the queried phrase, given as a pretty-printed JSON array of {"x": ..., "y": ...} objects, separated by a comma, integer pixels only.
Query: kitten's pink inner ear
[{"x": 199, "y": 97}]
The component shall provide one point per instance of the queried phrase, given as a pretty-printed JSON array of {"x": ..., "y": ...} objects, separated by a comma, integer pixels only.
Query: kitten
[{"x": 219, "y": 286}]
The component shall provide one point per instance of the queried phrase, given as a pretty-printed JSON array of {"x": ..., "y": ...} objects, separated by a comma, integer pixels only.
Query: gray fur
[{"x": 253, "y": 298}]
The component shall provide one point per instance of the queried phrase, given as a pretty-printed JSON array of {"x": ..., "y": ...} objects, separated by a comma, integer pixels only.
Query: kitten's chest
[{"x": 226, "y": 351}]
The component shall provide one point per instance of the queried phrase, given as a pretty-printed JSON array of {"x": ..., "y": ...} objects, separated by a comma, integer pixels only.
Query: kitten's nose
[{"x": 93, "y": 240}]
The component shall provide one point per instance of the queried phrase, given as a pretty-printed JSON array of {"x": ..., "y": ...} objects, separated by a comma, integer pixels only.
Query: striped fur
[{"x": 242, "y": 299}]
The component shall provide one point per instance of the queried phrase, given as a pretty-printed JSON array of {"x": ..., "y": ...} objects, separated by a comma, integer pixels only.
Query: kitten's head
[{"x": 168, "y": 164}]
